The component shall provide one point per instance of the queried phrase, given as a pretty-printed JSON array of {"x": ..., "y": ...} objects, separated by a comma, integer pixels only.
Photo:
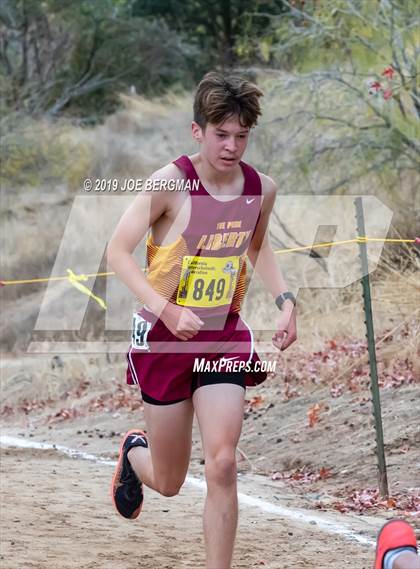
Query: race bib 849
[{"x": 207, "y": 281}]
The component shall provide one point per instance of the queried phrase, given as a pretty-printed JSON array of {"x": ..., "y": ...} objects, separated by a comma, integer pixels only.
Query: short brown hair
[{"x": 219, "y": 97}]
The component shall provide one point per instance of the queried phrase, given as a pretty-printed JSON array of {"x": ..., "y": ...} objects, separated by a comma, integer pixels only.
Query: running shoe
[
  {"x": 394, "y": 534},
  {"x": 126, "y": 488}
]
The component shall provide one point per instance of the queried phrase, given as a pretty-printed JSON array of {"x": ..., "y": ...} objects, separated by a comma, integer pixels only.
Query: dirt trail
[{"x": 57, "y": 514}]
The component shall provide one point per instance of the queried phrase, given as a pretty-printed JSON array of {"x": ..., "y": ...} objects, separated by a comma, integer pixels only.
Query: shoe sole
[{"x": 117, "y": 473}]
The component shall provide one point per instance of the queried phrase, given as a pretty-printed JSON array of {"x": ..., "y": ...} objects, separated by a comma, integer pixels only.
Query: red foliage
[
  {"x": 253, "y": 403},
  {"x": 121, "y": 397},
  {"x": 389, "y": 72},
  {"x": 375, "y": 85},
  {"x": 290, "y": 392},
  {"x": 343, "y": 366},
  {"x": 369, "y": 498},
  {"x": 63, "y": 415},
  {"x": 113, "y": 401},
  {"x": 7, "y": 411},
  {"x": 387, "y": 94},
  {"x": 303, "y": 475},
  {"x": 313, "y": 414}
]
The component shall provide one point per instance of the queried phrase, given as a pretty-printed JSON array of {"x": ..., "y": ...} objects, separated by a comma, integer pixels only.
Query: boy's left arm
[{"x": 264, "y": 261}]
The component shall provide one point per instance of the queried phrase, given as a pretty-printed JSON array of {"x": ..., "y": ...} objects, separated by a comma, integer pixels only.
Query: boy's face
[{"x": 222, "y": 144}]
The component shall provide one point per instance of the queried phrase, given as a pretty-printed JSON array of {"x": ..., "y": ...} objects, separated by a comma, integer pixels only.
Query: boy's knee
[
  {"x": 221, "y": 470},
  {"x": 169, "y": 488}
]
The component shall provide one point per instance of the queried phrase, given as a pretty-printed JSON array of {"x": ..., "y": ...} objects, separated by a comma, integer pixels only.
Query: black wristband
[{"x": 285, "y": 296}]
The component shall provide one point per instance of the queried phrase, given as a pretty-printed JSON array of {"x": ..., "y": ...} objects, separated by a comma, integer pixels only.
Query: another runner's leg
[
  {"x": 407, "y": 560},
  {"x": 164, "y": 465},
  {"x": 220, "y": 410}
]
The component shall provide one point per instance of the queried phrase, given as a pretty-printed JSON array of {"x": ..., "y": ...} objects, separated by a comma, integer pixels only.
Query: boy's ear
[{"x": 197, "y": 132}]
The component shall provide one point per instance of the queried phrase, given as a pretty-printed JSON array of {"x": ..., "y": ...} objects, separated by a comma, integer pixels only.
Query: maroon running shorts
[{"x": 163, "y": 366}]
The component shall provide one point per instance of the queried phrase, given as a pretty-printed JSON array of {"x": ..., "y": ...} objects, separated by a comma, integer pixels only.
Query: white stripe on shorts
[
  {"x": 252, "y": 341},
  {"x": 132, "y": 368}
]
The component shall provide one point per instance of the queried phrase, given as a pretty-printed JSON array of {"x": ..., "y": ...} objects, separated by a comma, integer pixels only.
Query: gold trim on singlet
[{"x": 164, "y": 264}]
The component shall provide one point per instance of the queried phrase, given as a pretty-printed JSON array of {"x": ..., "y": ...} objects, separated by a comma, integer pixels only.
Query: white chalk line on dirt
[{"x": 317, "y": 521}]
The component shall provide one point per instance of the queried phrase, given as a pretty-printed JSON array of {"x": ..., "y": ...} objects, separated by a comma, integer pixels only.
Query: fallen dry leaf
[{"x": 313, "y": 414}]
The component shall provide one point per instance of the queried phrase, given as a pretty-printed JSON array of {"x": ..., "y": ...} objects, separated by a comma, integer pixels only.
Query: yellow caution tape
[{"x": 73, "y": 278}]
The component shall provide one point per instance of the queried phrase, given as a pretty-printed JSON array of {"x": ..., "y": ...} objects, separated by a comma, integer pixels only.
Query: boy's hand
[
  {"x": 182, "y": 322},
  {"x": 286, "y": 329}
]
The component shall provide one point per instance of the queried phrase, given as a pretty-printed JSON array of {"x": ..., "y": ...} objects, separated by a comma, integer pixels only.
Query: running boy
[{"x": 191, "y": 297}]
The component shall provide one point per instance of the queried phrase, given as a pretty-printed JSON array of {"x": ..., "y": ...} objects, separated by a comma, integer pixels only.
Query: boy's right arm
[{"x": 145, "y": 210}]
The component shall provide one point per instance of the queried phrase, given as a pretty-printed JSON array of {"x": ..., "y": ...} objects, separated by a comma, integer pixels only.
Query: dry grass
[
  {"x": 46, "y": 377},
  {"x": 395, "y": 297}
]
